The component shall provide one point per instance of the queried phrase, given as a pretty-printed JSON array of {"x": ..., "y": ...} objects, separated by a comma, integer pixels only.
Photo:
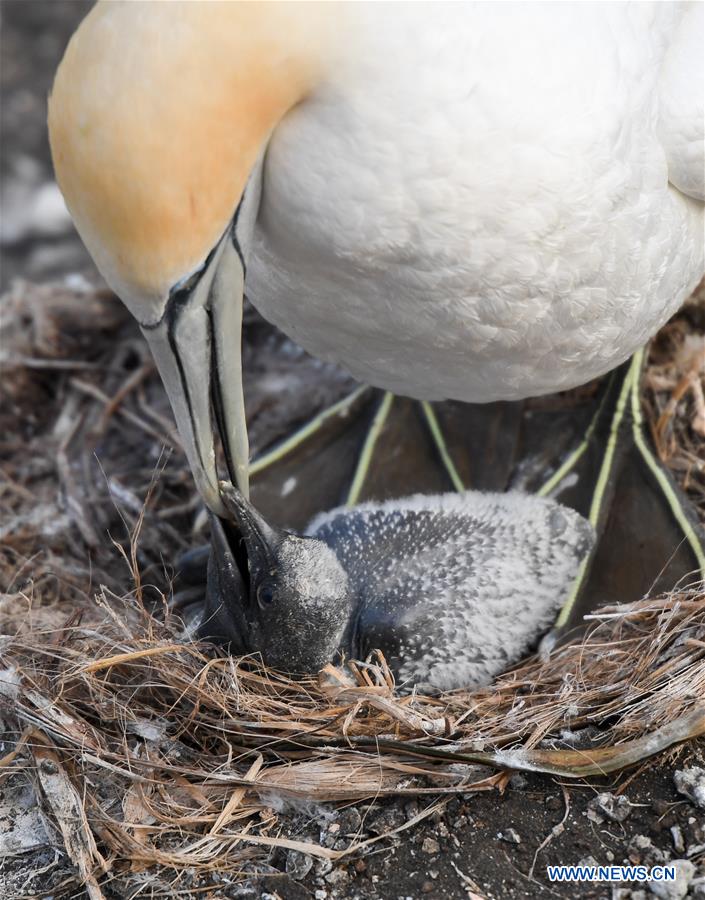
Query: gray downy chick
[{"x": 453, "y": 588}]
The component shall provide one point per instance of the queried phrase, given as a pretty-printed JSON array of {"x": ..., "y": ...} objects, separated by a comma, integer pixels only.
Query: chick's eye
[{"x": 265, "y": 595}]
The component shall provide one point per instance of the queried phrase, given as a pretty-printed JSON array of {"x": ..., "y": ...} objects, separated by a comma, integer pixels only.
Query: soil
[{"x": 494, "y": 845}]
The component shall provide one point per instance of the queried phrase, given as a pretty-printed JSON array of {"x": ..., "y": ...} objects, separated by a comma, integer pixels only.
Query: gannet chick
[{"x": 453, "y": 588}]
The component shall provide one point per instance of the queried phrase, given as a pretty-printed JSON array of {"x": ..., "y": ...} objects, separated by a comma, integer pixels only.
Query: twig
[
  {"x": 94, "y": 391},
  {"x": 556, "y": 831},
  {"x": 129, "y": 385}
]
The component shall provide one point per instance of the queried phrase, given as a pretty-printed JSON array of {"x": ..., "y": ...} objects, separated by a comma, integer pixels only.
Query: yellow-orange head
[{"x": 157, "y": 115}]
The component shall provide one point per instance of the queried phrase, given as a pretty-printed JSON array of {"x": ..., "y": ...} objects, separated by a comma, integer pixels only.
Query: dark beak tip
[
  {"x": 224, "y": 618},
  {"x": 223, "y": 568}
]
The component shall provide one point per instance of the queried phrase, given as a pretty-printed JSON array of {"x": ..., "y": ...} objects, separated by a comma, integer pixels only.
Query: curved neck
[{"x": 158, "y": 115}]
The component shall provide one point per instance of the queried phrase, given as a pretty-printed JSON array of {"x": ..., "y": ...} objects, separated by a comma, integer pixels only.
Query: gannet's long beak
[
  {"x": 154, "y": 147},
  {"x": 197, "y": 347}
]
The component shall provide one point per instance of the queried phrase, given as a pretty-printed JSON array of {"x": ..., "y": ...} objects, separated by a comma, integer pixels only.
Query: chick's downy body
[{"x": 454, "y": 587}]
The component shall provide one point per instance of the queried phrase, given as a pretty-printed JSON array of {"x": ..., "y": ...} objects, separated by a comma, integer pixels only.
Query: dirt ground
[{"x": 490, "y": 844}]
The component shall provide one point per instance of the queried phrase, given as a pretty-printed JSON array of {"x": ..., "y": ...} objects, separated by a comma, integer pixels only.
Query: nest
[{"x": 149, "y": 751}]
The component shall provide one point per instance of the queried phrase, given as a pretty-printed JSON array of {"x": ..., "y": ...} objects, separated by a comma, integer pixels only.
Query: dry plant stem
[
  {"x": 94, "y": 391},
  {"x": 167, "y": 427},
  {"x": 575, "y": 763},
  {"x": 68, "y": 425},
  {"x": 553, "y": 833},
  {"x": 56, "y": 365},
  {"x": 699, "y": 399},
  {"x": 471, "y": 888},
  {"x": 130, "y": 384},
  {"x": 67, "y": 806}
]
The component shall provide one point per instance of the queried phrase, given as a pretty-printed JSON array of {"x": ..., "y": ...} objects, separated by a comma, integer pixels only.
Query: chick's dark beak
[
  {"x": 259, "y": 537},
  {"x": 227, "y": 591},
  {"x": 242, "y": 551}
]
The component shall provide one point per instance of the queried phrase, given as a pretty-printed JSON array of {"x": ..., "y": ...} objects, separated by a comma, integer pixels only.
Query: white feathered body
[{"x": 488, "y": 201}]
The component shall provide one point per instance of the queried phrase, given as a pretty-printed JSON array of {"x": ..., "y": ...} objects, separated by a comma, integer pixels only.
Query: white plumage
[{"x": 488, "y": 201}]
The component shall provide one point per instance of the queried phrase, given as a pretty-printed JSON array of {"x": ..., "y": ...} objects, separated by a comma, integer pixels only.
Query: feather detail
[{"x": 456, "y": 587}]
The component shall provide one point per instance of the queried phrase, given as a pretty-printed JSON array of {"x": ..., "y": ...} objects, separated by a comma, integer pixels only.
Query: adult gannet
[{"x": 470, "y": 200}]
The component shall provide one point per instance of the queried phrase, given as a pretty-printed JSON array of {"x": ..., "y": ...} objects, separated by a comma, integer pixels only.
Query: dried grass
[
  {"x": 674, "y": 397},
  {"x": 150, "y": 752},
  {"x": 201, "y": 748}
]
